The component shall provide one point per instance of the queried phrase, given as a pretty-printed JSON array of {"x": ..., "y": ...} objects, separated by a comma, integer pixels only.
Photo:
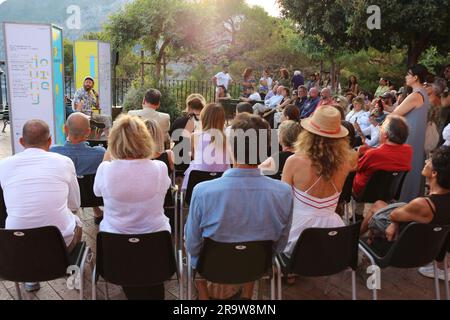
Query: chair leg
[
  {"x": 272, "y": 285},
  {"x": 260, "y": 288},
  {"x": 353, "y": 202},
  {"x": 19, "y": 293},
  {"x": 372, "y": 261},
  {"x": 353, "y": 285},
  {"x": 82, "y": 266},
  {"x": 189, "y": 277},
  {"x": 279, "y": 287},
  {"x": 176, "y": 222},
  {"x": 346, "y": 213},
  {"x": 94, "y": 284},
  {"x": 436, "y": 281},
  {"x": 446, "y": 278},
  {"x": 181, "y": 275}
]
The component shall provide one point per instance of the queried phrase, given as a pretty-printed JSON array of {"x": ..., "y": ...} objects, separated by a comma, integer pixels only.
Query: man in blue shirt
[
  {"x": 272, "y": 103},
  {"x": 311, "y": 104},
  {"x": 85, "y": 158},
  {"x": 242, "y": 205}
]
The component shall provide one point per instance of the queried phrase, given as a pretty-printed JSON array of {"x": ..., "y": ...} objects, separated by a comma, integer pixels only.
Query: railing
[{"x": 180, "y": 89}]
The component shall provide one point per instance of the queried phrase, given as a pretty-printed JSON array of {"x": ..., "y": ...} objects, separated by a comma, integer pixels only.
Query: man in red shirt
[{"x": 391, "y": 155}]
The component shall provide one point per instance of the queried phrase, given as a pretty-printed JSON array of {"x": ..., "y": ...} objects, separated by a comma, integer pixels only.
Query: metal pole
[{"x": 142, "y": 67}]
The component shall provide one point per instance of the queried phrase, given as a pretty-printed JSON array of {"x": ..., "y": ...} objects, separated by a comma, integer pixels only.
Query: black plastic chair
[
  {"x": 134, "y": 260},
  {"x": 235, "y": 263},
  {"x": 40, "y": 254},
  {"x": 346, "y": 195},
  {"x": 417, "y": 245},
  {"x": 382, "y": 185},
  {"x": 88, "y": 198},
  {"x": 326, "y": 251}
]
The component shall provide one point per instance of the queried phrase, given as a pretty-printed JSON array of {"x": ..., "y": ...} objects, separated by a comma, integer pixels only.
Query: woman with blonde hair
[
  {"x": 317, "y": 172},
  {"x": 208, "y": 146},
  {"x": 140, "y": 209},
  {"x": 160, "y": 154}
]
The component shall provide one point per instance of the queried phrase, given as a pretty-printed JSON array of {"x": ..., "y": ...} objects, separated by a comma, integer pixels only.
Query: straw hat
[{"x": 325, "y": 122}]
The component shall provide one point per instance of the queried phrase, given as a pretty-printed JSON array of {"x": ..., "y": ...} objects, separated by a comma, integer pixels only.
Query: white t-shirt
[
  {"x": 133, "y": 193},
  {"x": 255, "y": 97},
  {"x": 223, "y": 79},
  {"x": 40, "y": 189}
]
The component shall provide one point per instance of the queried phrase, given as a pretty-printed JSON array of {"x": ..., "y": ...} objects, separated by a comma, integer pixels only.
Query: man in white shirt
[
  {"x": 253, "y": 97},
  {"x": 271, "y": 103},
  {"x": 40, "y": 188},
  {"x": 222, "y": 78},
  {"x": 150, "y": 103}
]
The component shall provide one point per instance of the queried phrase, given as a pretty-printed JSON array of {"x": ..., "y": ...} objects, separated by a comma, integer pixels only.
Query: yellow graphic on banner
[{"x": 85, "y": 62}]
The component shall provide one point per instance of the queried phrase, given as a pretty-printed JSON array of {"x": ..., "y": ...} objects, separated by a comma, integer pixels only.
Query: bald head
[
  {"x": 78, "y": 127},
  {"x": 36, "y": 134}
]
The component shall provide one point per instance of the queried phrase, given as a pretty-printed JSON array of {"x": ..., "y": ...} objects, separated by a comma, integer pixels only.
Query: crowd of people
[{"x": 319, "y": 140}]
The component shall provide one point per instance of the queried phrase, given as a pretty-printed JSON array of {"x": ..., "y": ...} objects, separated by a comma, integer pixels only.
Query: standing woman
[
  {"x": 248, "y": 81},
  {"x": 415, "y": 108},
  {"x": 353, "y": 86},
  {"x": 138, "y": 210}
]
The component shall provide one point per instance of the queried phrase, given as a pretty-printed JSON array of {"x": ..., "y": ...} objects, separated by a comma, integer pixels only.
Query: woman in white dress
[{"x": 317, "y": 173}]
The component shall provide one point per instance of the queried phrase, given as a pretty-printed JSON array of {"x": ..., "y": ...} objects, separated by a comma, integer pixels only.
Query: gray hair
[
  {"x": 439, "y": 86},
  {"x": 396, "y": 129},
  {"x": 297, "y": 73}
]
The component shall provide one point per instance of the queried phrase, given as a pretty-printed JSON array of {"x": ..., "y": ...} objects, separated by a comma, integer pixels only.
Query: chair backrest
[
  {"x": 135, "y": 259},
  {"x": 195, "y": 177},
  {"x": 383, "y": 185},
  {"x": 234, "y": 263},
  {"x": 32, "y": 255},
  {"x": 88, "y": 198},
  {"x": 346, "y": 194},
  {"x": 417, "y": 245},
  {"x": 326, "y": 251},
  {"x": 3, "y": 212}
]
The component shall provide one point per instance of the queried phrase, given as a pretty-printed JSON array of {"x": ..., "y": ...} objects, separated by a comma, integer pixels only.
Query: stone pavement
[{"x": 402, "y": 284}]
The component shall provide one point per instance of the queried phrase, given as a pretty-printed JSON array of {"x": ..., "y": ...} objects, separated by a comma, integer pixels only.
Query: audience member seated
[
  {"x": 240, "y": 107},
  {"x": 220, "y": 209},
  {"x": 253, "y": 95},
  {"x": 290, "y": 112},
  {"x": 317, "y": 172},
  {"x": 384, "y": 221},
  {"x": 183, "y": 127},
  {"x": 222, "y": 94},
  {"x": 272, "y": 102},
  {"x": 151, "y": 103},
  {"x": 160, "y": 153},
  {"x": 287, "y": 136},
  {"x": 138, "y": 210},
  {"x": 85, "y": 158},
  {"x": 302, "y": 96},
  {"x": 382, "y": 88},
  {"x": 326, "y": 99},
  {"x": 392, "y": 155},
  {"x": 370, "y": 136},
  {"x": 40, "y": 188},
  {"x": 311, "y": 103},
  {"x": 208, "y": 146}
]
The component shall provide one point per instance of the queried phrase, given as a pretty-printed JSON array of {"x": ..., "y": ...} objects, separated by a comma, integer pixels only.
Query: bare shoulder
[{"x": 298, "y": 160}]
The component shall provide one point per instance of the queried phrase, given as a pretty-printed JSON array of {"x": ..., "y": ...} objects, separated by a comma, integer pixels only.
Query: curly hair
[{"x": 327, "y": 155}]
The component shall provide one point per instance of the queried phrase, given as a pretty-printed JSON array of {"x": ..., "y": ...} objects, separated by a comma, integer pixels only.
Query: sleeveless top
[
  {"x": 441, "y": 213},
  {"x": 417, "y": 121},
  {"x": 312, "y": 212}
]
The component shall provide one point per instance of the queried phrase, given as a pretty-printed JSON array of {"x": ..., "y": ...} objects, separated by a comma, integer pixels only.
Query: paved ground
[{"x": 396, "y": 283}]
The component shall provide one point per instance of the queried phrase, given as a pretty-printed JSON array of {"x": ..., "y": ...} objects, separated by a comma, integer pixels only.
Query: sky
[
  {"x": 2, "y": 1},
  {"x": 270, "y": 6}
]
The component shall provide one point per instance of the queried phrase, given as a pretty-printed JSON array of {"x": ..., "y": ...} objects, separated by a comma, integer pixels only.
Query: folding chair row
[{"x": 382, "y": 185}]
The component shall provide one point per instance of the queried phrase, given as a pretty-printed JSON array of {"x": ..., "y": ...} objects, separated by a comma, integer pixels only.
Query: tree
[
  {"x": 159, "y": 26},
  {"x": 413, "y": 24}
]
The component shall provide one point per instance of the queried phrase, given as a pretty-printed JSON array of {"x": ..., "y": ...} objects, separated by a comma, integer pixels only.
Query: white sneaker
[{"x": 428, "y": 271}]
